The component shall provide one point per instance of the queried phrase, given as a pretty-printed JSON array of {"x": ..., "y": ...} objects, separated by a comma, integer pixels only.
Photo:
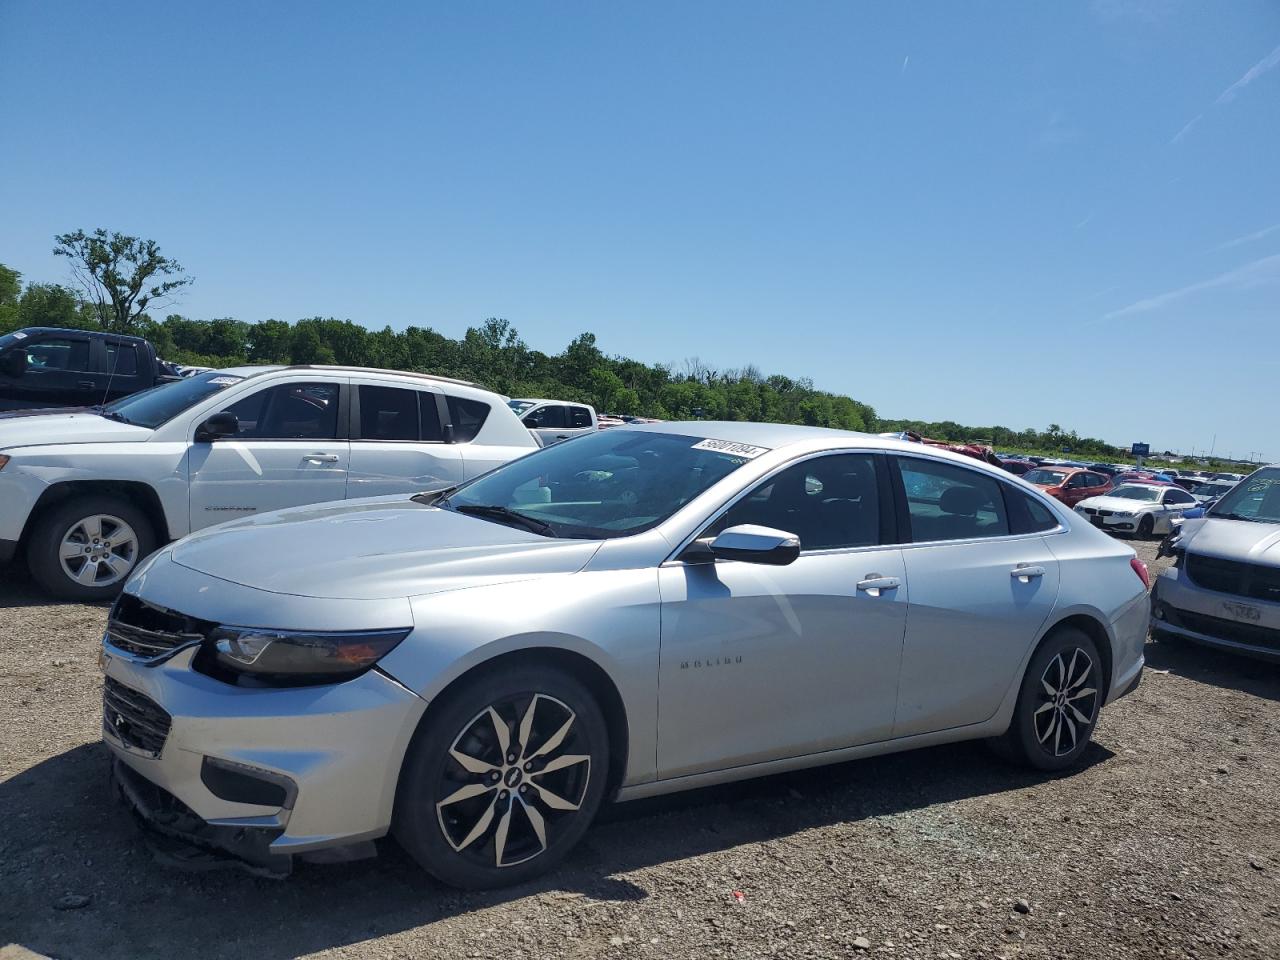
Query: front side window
[
  {"x": 946, "y": 502},
  {"x": 1177, "y": 496},
  {"x": 1256, "y": 498},
  {"x": 468, "y": 416},
  {"x": 290, "y": 411},
  {"x": 828, "y": 502},
  {"x": 613, "y": 483},
  {"x": 59, "y": 353}
]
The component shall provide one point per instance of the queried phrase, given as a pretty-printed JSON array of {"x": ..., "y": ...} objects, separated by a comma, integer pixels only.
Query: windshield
[
  {"x": 9, "y": 339},
  {"x": 1136, "y": 492},
  {"x": 603, "y": 485},
  {"x": 151, "y": 408},
  {"x": 1256, "y": 498},
  {"x": 519, "y": 406},
  {"x": 1047, "y": 478}
]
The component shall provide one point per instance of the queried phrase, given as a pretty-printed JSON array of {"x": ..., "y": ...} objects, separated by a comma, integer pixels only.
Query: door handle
[
  {"x": 562, "y": 436},
  {"x": 874, "y": 583},
  {"x": 85, "y": 384},
  {"x": 321, "y": 457},
  {"x": 1026, "y": 572}
]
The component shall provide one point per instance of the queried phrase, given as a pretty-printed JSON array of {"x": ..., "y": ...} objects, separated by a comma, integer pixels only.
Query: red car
[{"x": 1068, "y": 484}]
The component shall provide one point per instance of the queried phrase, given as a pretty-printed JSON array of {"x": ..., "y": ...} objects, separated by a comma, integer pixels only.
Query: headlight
[{"x": 300, "y": 657}]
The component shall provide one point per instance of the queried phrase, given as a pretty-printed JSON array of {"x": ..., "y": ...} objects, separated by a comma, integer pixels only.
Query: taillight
[{"x": 1141, "y": 570}]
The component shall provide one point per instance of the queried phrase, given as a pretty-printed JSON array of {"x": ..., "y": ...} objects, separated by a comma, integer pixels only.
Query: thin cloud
[
  {"x": 1085, "y": 222},
  {"x": 1248, "y": 238},
  {"x": 1266, "y": 64},
  {"x": 1269, "y": 62},
  {"x": 1177, "y": 137},
  {"x": 905, "y": 61},
  {"x": 1252, "y": 274}
]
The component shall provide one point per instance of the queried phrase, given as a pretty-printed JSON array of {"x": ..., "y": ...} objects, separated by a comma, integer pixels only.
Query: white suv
[{"x": 89, "y": 493}]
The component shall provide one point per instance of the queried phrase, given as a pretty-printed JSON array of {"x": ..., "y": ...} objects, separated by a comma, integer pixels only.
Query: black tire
[
  {"x": 441, "y": 835},
  {"x": 1037, "y": 735},
  {"x": 1146, "y": 527},
  {"x": 60, "y": 524}
]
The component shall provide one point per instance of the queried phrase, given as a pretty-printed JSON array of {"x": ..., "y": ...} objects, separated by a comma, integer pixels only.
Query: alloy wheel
[
  {"x": 1069, "y": 702},
  {"x": 98, "y": 551},
  {"x": 517, "y": 771}
]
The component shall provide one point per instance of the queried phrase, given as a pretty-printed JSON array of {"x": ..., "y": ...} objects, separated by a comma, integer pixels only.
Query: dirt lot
[{"x": 1165, "y": 844}]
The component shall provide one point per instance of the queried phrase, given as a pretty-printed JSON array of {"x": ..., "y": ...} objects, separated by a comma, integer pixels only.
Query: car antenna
[{"x": 111, "y": 376}]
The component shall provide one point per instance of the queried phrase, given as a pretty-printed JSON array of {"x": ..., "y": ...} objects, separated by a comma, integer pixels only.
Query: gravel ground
[{"x": 1165, "y": 844}]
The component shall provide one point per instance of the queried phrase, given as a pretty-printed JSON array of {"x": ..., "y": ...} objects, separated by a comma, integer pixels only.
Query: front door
[
  {"x": 760, "y": 663},
  {"x": 980, "y": 593},
  {"x": 291, "y": 449},
  {"x": 49, "y": 370}
]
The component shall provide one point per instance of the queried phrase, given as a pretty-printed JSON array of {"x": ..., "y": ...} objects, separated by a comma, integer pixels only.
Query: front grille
[
  {"x": 1223, "y": 629},
  {"x": 148, "y": 631},
  {"x": 134, "y": 718},
  {"x": 1234, "y": 577}
]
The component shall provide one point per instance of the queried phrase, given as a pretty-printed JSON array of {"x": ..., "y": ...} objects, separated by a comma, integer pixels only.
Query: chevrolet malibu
[{"x": 642, "y": 610}]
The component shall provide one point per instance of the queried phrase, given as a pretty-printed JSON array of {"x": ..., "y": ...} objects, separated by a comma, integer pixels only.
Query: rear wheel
[
  {"x": 503, "y": 780},
  {"x": 86, "y": 548},
  {"x": 1058, "y": 703}
]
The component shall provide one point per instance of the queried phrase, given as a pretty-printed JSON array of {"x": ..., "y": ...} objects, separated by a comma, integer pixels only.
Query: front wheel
[
  {"x": 504, "y": 778},
  {"x": 1058, "y": 703},
  {"x": 1146, "y": 527},
  {"x": 86, "y": 548}
]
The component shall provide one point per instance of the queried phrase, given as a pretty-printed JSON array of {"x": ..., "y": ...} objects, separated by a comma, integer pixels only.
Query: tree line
[{"x": 120, "y": 280}]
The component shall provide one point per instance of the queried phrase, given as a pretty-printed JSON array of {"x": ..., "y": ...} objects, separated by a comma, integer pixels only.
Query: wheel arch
[
  {"x": 1095, "y": 629},
  {"x": 578, "y": 665},
  {"x": 140, "y": 494}
]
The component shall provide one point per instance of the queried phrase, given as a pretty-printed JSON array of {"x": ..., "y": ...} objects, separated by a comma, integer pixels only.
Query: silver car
[
  {"x": 644, "y": 610},
  {"x": 1224, "y": 587}
]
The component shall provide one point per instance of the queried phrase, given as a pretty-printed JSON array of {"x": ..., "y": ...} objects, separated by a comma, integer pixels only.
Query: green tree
[
  {"x": 50, "y": 305},
  {"x": 10, "y": 289},
  {"x": 120, "y": 275}
]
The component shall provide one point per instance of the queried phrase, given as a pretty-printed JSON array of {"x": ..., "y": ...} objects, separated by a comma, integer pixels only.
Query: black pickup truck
[{"x": 52, "y": 367}]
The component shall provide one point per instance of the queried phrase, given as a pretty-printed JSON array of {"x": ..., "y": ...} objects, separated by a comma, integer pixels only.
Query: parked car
[
  {"x": 554, "y": 420},
  {"x": 1068, "y": 484},
  {"x": 1140, "y": 476},
  {"x": 52, "y": 367},
  {"x": 1017, "y": 466},
  {"x": 1208, "y": 492},
  {"x": 1223, "y": 589},
  {"x": 643, "y": 610},
  {"x": 88, "y": 494},
  {"x": 1109, "y": 469},
  {"x": 1144, "y": 509}
]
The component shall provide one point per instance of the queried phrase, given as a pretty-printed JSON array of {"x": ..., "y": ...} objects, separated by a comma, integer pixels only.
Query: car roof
[
  {"x": 31, "y": 331},
  {"x": 258, "y": 369}
]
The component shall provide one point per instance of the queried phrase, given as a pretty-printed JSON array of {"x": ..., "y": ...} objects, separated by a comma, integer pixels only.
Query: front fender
[{"x": 611, "y": 618}]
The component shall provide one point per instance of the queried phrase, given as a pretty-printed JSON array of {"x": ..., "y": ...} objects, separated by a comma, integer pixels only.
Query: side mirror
[
  {"x": 14, "y": 363},
  {"x": 217, "y": 427},
  {"x": 748, "y": 543}
]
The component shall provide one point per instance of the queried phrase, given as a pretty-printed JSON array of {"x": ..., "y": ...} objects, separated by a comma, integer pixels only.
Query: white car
[
  {"x": 86, "y": 494},
  {"x": 1143, "y": 509},
  {"x": 554, "y": 420}
]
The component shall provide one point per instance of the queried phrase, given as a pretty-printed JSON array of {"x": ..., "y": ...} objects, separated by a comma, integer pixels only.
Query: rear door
[
  {"x": 123, "y": 365},
  {"x": 397, "y": 441},
  {"x": 983, "y": 582},
  {"x": 292, "y": 449}
]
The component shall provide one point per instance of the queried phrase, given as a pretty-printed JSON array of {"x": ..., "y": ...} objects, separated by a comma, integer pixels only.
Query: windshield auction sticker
[
  {"x": 744, "y": 450},
  {"x": 225, "y": 381}
]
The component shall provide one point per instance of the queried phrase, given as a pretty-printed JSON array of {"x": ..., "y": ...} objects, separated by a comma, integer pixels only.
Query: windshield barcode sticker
[
  {"x": 19, "y": 335},
  {"x": 744, "y": 450},
  {"x": 226, "y": 381}
]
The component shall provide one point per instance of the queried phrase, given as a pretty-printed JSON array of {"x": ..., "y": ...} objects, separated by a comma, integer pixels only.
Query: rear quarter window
[{"x": 468, "y": 416}]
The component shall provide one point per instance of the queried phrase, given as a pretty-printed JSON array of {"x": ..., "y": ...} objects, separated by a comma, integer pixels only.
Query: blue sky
[{"x": 989, "y": 212}]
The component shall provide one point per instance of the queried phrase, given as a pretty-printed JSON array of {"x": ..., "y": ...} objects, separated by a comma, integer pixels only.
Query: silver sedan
[{"x": 637, "y": 611}]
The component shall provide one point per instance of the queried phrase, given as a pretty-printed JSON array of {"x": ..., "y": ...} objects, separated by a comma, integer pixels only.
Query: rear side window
[
  {"x": 387, "y": 413},
  {"x": 122, "y": 359},
  {"x": 1027, "y": 514},
  {"x": 579, "y": 417},
  {"x": 549, "y": 417},
  {"x": 946, "y": 502},
  {"x": 468, "y": 416}
]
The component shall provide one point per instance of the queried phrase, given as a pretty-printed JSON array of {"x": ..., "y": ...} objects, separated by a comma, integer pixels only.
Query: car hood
[
  {"x": 25, "y": 428},
  {"x": 1235, "y": 540},
  {"x": 1116, "y": 503},
  {"x": 374, "y": 549}
]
